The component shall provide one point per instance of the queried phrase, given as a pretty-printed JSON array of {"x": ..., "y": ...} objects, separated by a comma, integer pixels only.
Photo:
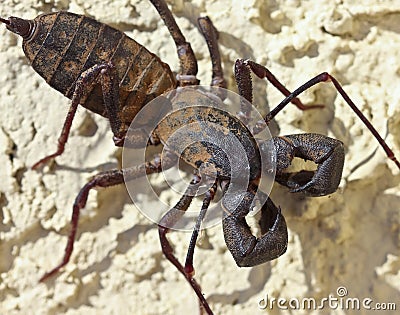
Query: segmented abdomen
[{"x": 65, "y": 45}]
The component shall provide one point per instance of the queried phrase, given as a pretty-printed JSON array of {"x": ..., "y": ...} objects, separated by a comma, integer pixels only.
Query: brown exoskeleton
[{"x": 115, "y": 77}]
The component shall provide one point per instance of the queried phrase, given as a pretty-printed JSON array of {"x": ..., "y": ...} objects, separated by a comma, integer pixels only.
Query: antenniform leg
[
  {"x": 326, "y": 77},
  {"x": 328, "y": 153},
  {"x": 246, "y": 249},
  {"x": 106, "y": 179}
]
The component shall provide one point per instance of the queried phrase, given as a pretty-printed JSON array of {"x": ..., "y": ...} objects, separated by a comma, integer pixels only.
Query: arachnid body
[{"x": 322, "y": 183}]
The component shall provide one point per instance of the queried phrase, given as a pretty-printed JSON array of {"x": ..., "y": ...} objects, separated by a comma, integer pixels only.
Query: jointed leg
[
  {"x": 210, "y": 34},
  {"x": 105, "y": 179},
  {"x": 245, "y": 87},
  {"x": 110, "y": 88},
  {"x": 170, "y": 219},
  {"x": 62, "y": 139},
  {"x": 189, "y": 269},
  {"x": 186, "y": 55},
  {"x": 243, "y": 80},
  {"x": 87, "y": 80}
]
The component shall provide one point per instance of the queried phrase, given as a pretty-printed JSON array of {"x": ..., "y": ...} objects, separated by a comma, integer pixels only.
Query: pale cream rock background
[{"x": 350, "y": 238}]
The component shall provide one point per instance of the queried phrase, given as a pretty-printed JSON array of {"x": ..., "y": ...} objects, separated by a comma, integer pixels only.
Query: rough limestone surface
[{"x": 348, "y": 241}]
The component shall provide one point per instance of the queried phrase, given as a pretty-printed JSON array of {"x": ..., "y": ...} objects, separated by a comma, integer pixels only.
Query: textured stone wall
[{"x": 350, "y": 238}]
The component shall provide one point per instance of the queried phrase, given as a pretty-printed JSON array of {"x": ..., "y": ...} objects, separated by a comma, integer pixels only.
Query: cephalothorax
[{"x": 110, "y": 74}]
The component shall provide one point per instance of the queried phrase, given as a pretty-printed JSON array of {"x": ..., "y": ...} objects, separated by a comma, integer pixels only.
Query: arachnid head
[{"x": 24, "y": 28}]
